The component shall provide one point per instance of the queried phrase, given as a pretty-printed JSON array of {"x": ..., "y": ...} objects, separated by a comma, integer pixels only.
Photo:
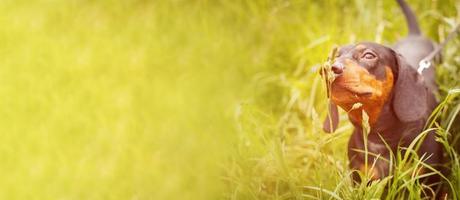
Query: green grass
[
  {"x": 189, "y": 99},
  {"x": 283, "y": 153}
]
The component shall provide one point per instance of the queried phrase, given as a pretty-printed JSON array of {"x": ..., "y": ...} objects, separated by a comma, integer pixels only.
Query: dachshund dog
[{"x": 396, "y": 98}]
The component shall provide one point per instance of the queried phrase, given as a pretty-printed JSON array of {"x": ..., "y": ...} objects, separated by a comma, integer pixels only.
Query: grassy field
[
  {"x": 189, "y": 99},
  {"x": 283, "y": 153}
]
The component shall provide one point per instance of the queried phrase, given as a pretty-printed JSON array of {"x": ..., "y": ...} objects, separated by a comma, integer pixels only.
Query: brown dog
[{"x": 397, "y": 99}]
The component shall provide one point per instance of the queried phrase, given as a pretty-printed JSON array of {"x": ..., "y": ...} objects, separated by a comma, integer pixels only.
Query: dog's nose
[{"x": 337, "y": 68}]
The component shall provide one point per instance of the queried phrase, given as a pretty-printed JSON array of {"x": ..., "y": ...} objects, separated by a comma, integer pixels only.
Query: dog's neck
[{"x": 388, "y": 127}]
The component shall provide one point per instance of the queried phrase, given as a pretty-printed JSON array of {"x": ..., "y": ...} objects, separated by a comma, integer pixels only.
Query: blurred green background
[{"x": 139, "y": 99}]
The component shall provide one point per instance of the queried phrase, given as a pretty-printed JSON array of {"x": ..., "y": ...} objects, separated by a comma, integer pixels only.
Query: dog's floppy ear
[
  {"x": 409, "y": 101},
  {"x": 332, "y": 118}
]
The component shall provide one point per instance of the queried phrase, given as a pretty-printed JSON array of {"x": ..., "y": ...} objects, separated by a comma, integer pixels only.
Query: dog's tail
[{"x": 411, "y": 20}]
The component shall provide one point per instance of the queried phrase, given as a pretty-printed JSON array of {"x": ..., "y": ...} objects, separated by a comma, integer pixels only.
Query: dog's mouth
[
  {"x": 353, "y": 88},
  {"x": 361, "y": 93}
]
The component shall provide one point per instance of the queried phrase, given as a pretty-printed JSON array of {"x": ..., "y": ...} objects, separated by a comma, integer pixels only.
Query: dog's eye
[{"x": 368, "y": 55}]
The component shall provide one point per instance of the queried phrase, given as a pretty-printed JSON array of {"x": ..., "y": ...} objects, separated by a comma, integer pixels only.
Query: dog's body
[{"x": 397, "y": 100}]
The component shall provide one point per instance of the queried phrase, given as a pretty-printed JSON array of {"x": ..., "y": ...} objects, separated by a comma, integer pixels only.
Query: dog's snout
[{"x": 337, "y": 68}]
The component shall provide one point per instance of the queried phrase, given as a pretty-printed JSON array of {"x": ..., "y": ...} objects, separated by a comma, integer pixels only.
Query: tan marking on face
[
  {"x": 356, "y": 80},
  {"x": 360, "y": 47}
]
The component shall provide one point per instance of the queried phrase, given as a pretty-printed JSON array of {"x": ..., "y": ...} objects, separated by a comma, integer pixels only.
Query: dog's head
[{"x": 372, "y": 74}]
